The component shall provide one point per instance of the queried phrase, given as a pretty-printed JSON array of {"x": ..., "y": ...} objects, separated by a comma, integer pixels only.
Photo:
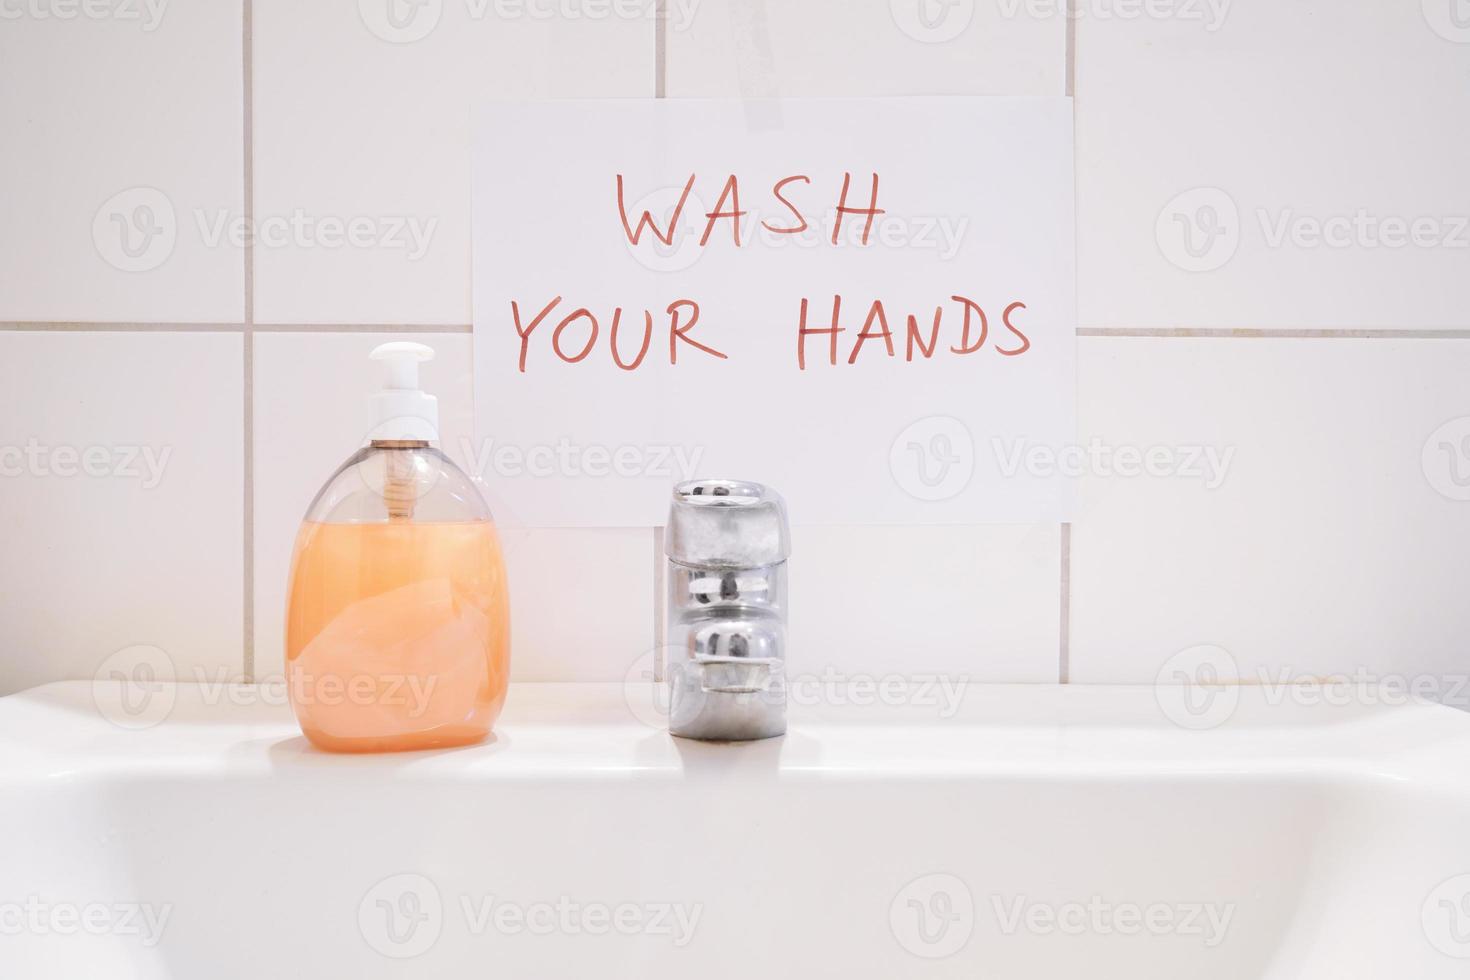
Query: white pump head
[{"x": 402, "y": 410}]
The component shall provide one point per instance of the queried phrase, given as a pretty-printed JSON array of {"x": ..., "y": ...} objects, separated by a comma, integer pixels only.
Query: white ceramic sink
[{"x": 1038, "y": 832}]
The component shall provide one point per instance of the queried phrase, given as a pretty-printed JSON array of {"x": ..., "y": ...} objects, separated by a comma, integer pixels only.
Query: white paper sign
[{"x": 657, "y": 283}]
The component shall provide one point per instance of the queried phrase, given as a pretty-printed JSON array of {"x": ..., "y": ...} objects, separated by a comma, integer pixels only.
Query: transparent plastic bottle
[{"x": 397, "y": 626}]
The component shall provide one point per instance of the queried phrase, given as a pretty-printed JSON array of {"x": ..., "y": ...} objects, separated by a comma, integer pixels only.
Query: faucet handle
[
  {"x": 727, "y": 524},
  {"x": 738, "y": 647},
  {"x": 732, "y": 686}
]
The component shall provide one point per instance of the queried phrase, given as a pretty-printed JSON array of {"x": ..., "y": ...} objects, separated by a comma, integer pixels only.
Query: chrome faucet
[{"x": 727, "y": 543}]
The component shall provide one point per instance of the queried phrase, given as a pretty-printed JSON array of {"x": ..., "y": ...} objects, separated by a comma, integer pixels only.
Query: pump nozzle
[{"x": 401, "y": 410}]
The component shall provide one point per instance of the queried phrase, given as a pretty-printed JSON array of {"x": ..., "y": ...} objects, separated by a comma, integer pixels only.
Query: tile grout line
[
  {"x": 660, "y": 49},
  {"x": 362, "y": 328},
  {"x": 62, "y": 326},
  {"x": 1064, "y": 586},
  {"x": 1065, "y": 545},
  {"x": 660, "y": 91},
  {"x": 1289, "y": 333},
  {"x": 1070, "y": 83},
  {"x": 1064, "y": 665},
  {"x": 104, "y": 326},
  {"x": 247, "y": 53},
  {"x": 659, "y": 587}
]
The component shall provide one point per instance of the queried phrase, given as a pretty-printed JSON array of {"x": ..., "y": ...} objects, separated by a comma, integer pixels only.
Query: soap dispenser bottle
[{"x": 397, "y": 626}]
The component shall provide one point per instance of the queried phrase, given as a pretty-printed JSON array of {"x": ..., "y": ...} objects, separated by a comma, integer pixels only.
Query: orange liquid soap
[{"x": 397, "y": 634}]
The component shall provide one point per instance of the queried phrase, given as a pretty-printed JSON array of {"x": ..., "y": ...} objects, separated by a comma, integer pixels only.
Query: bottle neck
[{"x": 399, "y": 444}]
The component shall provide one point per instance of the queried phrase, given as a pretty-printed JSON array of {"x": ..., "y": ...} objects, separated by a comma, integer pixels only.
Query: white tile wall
[
  {"x": 1332, "y": 545},
  {"x": 122, "y": 156},
  {"x": 740, "y": 48},
  {"x": 1338, "y": 538},
  {"x": 975, "y": 601},
  {"x": 372, "y": 123},
  {"x": 120, "y": 480},
  {"x": 1343, "y": 116},
  {"x": 311, "y": 394}
]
